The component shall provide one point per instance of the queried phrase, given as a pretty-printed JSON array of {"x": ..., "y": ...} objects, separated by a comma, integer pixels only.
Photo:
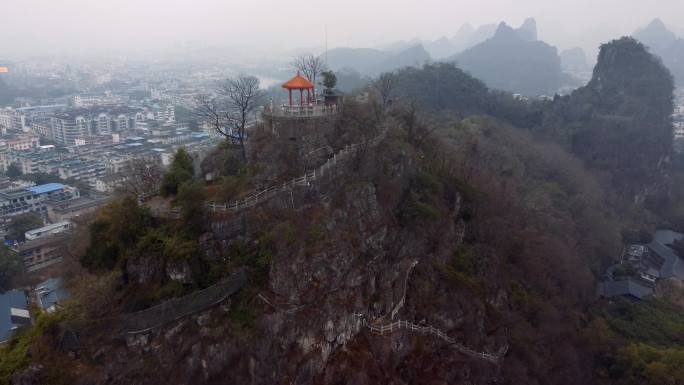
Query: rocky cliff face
[{"x": 343, "y": 258}]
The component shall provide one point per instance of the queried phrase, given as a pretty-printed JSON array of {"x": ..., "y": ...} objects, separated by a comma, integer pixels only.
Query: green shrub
[
  {"x": 653, "y": 321},
  {"x": 463, "y": 269},
  {"x": 14, "y": 354},
  {"x": 181, "y": 170},
  {"x": 116, "y": 229}
]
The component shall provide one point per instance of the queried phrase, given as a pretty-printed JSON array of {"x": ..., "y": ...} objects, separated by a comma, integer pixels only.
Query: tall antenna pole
[{"x": 326, "y": 45}]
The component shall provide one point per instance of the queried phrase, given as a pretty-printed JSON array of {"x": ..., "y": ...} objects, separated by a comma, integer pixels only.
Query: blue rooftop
[
  {"x": 46, "y": 188},
  {"x": 11, "y": 299}
]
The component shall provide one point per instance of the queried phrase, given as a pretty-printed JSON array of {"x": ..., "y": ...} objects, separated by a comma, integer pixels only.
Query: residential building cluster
[
  {"x": 22, "y": 119},
  {"x": 57, "y": 205},
  {"x": 87, "y": 139},
  {"x": 95, "y": 138}
]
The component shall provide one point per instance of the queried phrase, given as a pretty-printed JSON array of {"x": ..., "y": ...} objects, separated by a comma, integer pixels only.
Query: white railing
[
  {"x": 300, "y": 111},
  {"x": 264, "y": 195},
  {"x": 305, "y": 180},
  {"x": 398, "y": 325}
]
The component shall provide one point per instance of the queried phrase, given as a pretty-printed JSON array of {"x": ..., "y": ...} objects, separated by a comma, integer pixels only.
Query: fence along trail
[
  {"x": 398, "y": 325},
  {"x": 162, "y": 314},
  {"x": 304, "y": 180}
]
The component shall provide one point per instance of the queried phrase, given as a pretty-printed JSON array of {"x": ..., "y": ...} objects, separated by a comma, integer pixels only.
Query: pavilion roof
[{"x": 298, "y": 83}]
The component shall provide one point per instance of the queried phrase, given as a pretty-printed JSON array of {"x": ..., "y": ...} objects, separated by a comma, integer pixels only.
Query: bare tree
[
  {"x": 310, "y": 66},
  {"x": 385, "y": 85},
  {"x": 140, "y": 177},
  {"x": 229, "y": 111}
]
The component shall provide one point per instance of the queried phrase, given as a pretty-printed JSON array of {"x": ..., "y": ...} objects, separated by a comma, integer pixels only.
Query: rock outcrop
[{"x": 341, "y": 257}]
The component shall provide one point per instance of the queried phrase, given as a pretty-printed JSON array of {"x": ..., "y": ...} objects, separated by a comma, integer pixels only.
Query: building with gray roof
[
  {"x": 624, "y": 288},
  {"x": 673, "y": 266}
]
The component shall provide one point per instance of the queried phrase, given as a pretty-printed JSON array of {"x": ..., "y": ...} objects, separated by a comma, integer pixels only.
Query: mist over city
[
  {"x": 92, "y": 28},
  {"x": 359, "y": 192}
]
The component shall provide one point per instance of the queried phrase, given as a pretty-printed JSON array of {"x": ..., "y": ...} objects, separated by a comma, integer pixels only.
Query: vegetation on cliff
[
  {"x": 621, "y": 122},
  {"x": 637, "y": 343}
]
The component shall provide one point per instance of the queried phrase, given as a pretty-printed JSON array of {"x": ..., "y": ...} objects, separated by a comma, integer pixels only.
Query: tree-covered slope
[{"x": 621, "y": 121}]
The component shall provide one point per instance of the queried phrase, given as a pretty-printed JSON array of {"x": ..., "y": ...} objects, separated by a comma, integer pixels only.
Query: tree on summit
[
  {"x": 329, "y": 80},
  {"x": 310, "y": 66},
  {"x": 229, "y": 111},
  {"x": 182, "y": 170}
]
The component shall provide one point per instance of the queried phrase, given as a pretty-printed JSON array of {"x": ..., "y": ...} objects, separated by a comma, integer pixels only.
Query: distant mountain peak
[
  {"x": 505, "y": 31},
  {"x": 503, "y": 28},
  {"x": 528, "y": 30},
  {"x": 656, "y": 36},
  {"x": 656, "y": 27},
  {"x": 466, "y": 28},
  {"x": 514, "y": 63},
  {"x": 415, "y": 47},
  {"x": 656, "y": 24}
]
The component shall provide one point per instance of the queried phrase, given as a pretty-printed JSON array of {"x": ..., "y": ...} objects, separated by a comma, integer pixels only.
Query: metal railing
[
  {"x": 310, "y": 176},
  {"x": 264, "y": 195},
  {"x": 398, "y": 325},
  {"x": 308, "y": 111},
  {"x": 159, "y": 315}
]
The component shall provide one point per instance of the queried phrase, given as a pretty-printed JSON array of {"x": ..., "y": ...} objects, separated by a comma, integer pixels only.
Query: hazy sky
[{"x": 39, "y": 26}]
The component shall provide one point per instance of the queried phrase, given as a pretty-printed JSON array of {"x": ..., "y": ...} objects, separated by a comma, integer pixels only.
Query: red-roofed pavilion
[{"x": 299, "y": 83}]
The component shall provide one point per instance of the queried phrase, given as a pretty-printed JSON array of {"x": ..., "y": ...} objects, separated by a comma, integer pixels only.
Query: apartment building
[
  {"x": 21, "y": 119},
  {"x": 31, "y": 162},
  {"x": 84, "y": 170},
  {"x": 42, "y": 252},
  {"x": 33, "y": 199},
  {"x": 67, "y": 127},
  {"x": 19, "y": 142},
  {"x": 6, "y": 119}
]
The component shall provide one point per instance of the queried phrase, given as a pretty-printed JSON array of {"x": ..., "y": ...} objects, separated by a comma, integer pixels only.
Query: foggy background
[{"x": 95, "y": 27}]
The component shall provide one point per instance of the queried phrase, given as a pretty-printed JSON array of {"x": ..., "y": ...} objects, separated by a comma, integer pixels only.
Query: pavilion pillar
[
  {"x": 301, "y": 97},
  {"x": 290, "y": 92},
  {"x": 308, "y": 97}
]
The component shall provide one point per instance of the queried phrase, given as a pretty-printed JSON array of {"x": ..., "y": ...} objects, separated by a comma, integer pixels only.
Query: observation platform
[{"x": 300, "y": 112}]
